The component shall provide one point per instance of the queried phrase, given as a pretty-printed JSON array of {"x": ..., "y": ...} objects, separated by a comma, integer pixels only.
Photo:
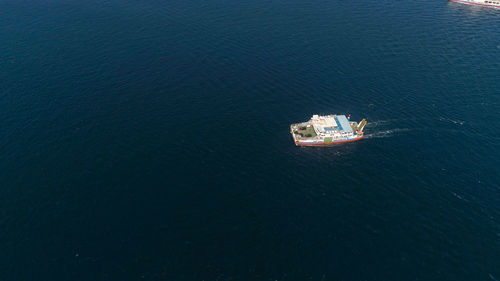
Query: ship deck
[
  {"x": 327, "y": 129},
  {"x": 304, "y": 131}
]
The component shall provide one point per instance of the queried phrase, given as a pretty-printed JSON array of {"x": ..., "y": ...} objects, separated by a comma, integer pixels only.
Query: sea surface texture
[{"x": 149, "y": 140}]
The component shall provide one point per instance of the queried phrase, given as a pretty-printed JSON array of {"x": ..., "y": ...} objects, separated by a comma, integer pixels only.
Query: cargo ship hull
[{"x": 298, "y": 143}]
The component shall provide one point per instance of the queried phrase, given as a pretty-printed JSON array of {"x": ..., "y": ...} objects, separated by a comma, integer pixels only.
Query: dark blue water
[{"x": 149, "y": 140}]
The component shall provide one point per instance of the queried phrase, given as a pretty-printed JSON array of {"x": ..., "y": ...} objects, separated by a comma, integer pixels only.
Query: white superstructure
[{"x": 485, "y": 3}]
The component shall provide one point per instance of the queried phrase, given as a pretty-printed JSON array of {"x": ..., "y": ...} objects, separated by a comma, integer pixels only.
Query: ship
[
  {"x": 485, "y": 3},
  {"x": 327, "y": 130}
]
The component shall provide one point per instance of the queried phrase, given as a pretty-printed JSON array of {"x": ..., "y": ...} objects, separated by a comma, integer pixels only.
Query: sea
[{"x": 150, "y": 140}]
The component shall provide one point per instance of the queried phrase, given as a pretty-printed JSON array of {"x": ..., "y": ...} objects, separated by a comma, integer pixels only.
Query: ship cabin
[{"x": 332, "y": 126}]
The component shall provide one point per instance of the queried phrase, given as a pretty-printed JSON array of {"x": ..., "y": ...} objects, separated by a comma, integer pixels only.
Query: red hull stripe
[
  {"x": 325, "y": 144},
  {"x": 478, "y": 4}
]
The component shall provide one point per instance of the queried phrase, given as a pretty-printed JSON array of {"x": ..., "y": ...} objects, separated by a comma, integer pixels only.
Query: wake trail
[
  {"x": 456, "y": 122},
  {"x": 380, "y": 122},
  {"x": 382, "y": 129},
  {"x": 385, "y": 133}
]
